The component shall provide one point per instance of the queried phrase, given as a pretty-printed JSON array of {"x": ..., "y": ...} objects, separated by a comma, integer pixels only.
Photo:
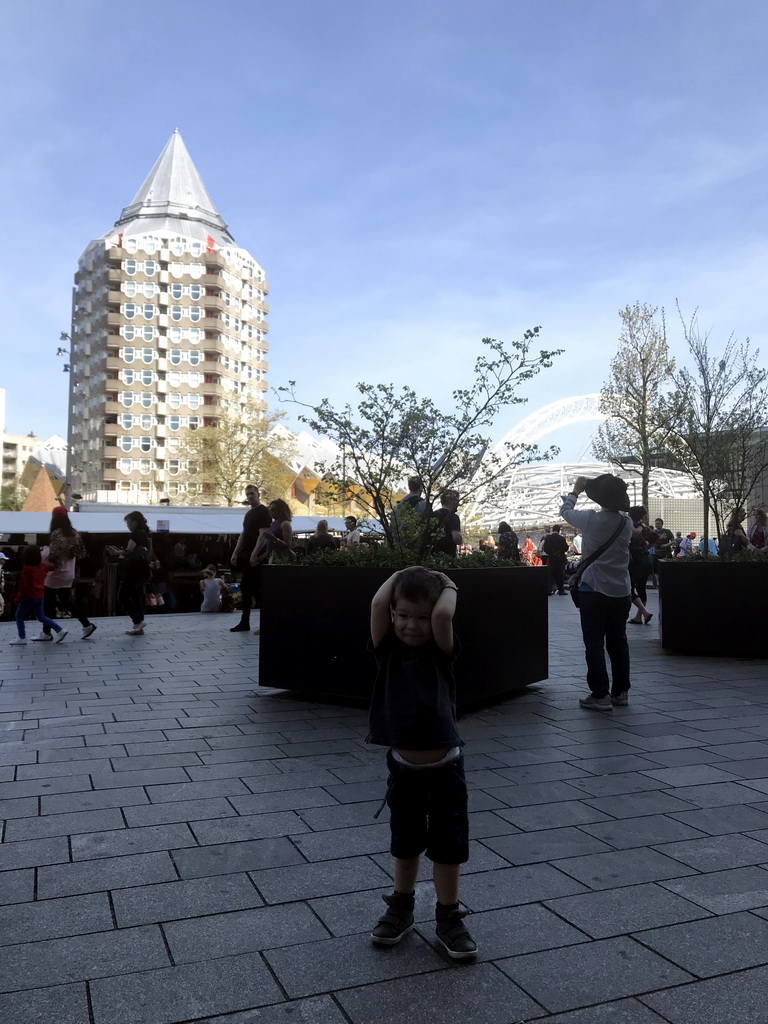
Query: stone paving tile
[
  {"x": 625, "y": 833},
  {"x": 64, "y": 1004},
  {"x": 595, "y": 972},
  {"x": 193, "y": 897},
  {"x": 99, "y": 875},
  {"x": 290, "y": 799},
  {"x": 510, "y": 887},
  {"x": 244, "y": 931},
  {"x": 234, "y": 857},
  {"x": 616, "y": 785},
  {"x": 214, "y": 831},
  {"x": 490, "y": 998},
  {"x": 347, "y": 842},
  {"x": 324, "y": 878},
  {"x": 545, "y": 845},
  {"x": 622, "y": 867},
  {"x": 81, "y": 957},
  {"x": 725, "y": 892},
  {"x": 33, "y": 852},
  {"x": 718, "y": 821},
  {"x": 689, "y": 775},
  {"x": 184, "y": 993},
  {"x": 717, "y": 945},
  {"x": 179, "y": 810},
  {"x": 93, "y": 800},
  {"x": 722, "y": 794},
  {"x": 315, "y": 1010},
  {"x": 93, "y": 845},
  {"x": 63, "y": 824},
  {"x": 556, "y": 815},
  {"x": 51, "y": 919},
  {"x": 735, "y": 998},
  {"x": 635, "y": 805},
  {"x": 620, "y": 911},
  {"x": 39, "y": 787},
  {"x": 625, "y": 1011},
  {"x": 715, "y": 853},
  {"x": 347, "y": 961}
]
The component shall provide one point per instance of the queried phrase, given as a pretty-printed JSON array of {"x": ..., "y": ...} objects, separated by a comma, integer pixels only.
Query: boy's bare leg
[
  {"x": 446, "y": 879},
  {"x": 405, "y": 874}
]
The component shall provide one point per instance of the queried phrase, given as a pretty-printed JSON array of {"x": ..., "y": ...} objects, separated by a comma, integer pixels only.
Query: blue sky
[{"x": 413, "y": 176}]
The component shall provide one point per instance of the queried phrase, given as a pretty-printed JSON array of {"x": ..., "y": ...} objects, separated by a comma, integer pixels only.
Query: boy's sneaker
[
  {"x": 452, "y": 933},
  {"x": 596, "y": 703},
  {"x": 89, "y": 630},
  {"x": 397, "y": 921},
  {"x": 136, "y": 631},
  {"x": 43, "y": 638},
  {"x": 17, "y": 641},
  {"x": 60, "y": 635},
  {"x": 620, "y": 700}
]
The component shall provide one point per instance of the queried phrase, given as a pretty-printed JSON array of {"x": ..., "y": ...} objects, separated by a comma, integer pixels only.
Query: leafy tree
[
  {"x": 10, "y": 498},
  {"x": 715, "y": 420},
  {"x": 634, "y": 433},
  {"x": 396, "y": 432},
  {"x": 241, "y": 449}
]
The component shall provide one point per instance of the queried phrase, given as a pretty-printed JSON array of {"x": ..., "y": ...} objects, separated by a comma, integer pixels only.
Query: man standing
[
  {"x": 447, "y": 525},
  {"x": 352, "y": 538},
  {"x": 256, "y": 519},
  {"x": 555, "y": 546},
  {"x": 662, "y": 547}
]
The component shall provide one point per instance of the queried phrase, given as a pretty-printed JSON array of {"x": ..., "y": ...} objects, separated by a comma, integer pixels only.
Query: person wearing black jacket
[{"x": 555, "y": 547}]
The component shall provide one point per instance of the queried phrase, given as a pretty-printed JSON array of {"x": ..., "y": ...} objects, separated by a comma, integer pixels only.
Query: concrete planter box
[
  {"x": 315, "y": 624},
  {"x": 714, "y": 608}
]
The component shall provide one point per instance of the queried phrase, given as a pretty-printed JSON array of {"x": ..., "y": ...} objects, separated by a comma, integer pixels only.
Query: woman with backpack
[
  {"x": 134, "y": 571},
  {"x": 640, "y": 563},
  {"x": 62, "y": 551}
]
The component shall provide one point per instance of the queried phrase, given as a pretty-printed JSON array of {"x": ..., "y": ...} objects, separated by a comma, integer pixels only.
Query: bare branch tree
[
  {"x": 394, "y": 432},
  {"x": 714, "y": 418},
  {"x": 634, "y": 433}
]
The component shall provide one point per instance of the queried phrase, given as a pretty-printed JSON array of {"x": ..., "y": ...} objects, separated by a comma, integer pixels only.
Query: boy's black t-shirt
[
  {"x": 414, "y": 697},
  {"x": 254, "y": 520}
]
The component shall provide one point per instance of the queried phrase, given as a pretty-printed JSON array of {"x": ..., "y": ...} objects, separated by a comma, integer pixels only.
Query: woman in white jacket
[{"x": 604, "y": 587}]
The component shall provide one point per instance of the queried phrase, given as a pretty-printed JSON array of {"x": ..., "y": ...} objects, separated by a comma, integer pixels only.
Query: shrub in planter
[
  {"x": 315, "y": 623},
  {"x": 714, "y": 606}
]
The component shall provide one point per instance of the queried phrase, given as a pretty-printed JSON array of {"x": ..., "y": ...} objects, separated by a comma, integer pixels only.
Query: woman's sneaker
[
  {"x": 19, "y": 640},
  {"x": 620, "y": 700},
  {"x": 397, "y": 921},
  {"x": 89, "y": 630},
  {"x": 596, "y": 703},
  {"x": 452, "y": 933},
  {"x": 43, "y": 638},
  {"x": 61, "y": 635},
  {"x": 136, "y": 631}
]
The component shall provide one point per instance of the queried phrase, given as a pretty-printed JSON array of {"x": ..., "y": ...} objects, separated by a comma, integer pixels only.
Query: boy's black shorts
[{"x": 428, "y": 811}]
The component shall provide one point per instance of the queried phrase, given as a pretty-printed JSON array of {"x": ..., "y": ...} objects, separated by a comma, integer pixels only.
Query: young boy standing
[{"x": 413, "y": 712}]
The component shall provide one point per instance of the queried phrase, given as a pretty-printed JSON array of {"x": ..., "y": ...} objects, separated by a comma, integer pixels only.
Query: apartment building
[{"x": 168, "y": 332}]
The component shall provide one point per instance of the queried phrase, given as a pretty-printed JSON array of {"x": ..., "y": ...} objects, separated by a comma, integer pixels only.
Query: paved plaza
[{"x": 182, "y": 846}]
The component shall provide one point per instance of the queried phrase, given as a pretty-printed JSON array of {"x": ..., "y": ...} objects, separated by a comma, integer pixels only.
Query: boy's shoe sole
[
  {"x": 17, "y": 643},
  {"x": 457, "y": 954},
  {"x": 382, "y": 940}
]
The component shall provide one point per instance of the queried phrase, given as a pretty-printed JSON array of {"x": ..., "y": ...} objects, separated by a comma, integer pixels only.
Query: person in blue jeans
[
  {"x": 30, "y": 595},
  {"x": 604, "y": 587}
]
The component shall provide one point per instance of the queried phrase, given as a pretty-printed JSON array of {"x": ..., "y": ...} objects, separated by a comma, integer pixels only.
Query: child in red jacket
[{"x": 30, "y": 595}]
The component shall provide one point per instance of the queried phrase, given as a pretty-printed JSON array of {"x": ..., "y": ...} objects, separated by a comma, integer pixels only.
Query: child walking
[
  {"x": 413, "y": 712},
  {"x": 30, "y": 594}
]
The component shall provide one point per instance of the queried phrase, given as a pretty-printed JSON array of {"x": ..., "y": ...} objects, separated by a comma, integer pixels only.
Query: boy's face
[{"x": 412, "y": 621}]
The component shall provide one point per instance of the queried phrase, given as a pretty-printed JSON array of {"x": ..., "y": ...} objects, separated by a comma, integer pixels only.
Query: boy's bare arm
[
  {"x": 381, "y": 617},
  {"x": 442, "y": 614}
]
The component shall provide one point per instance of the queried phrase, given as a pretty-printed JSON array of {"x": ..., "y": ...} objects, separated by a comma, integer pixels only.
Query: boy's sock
[
  {"x": 397, "y": 921},
  {"x": 452, "y": 933}
]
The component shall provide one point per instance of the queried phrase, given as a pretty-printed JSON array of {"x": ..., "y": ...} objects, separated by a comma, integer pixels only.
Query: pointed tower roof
[{"x": 173, "y": 195}]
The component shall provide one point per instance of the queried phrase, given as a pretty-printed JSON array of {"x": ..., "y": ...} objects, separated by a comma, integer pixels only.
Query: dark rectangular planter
[
  {"x": 315, "y": 624},
  {"x": 714, "y": 607}
]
